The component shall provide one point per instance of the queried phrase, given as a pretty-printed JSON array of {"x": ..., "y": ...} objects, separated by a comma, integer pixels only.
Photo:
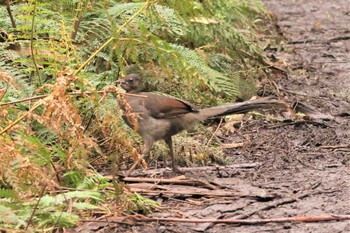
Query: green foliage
[
  {"x": 142, "y": 204},
  {"x": 213, "y": 78},
  {"x": 202, "y": 51},
  {"x": 9, "y": 218},
  {"x": 7, "y": 193},
  {"x": 49, "y": 210}
]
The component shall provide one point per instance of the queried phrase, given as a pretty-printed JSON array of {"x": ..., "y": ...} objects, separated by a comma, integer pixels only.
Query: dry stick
[
  {"x": 169, "y": 181},
  {"x": 71, "y": 93},
  {"x": 24, "y": 100},
  {"x": 142, "y": 218},
  {"x": 297, "y": 123},
  {"x": 207, "y": 168},
  {"x": 255, "y": 221},
  {"x": 20, "y": 118},
  {"x": 77, "y": 21},
  {"x": 8, "y": 8},
  {"x": 335, "y": 147},
  {"x": 187, "y": 193},
  {"x": 133, "y": 167},
  {"x": 215, "y": 168},
  {"x": 35, "y": 207},
  {"x": 263, "y": 61},
  {"x": 216, "y": 130}
]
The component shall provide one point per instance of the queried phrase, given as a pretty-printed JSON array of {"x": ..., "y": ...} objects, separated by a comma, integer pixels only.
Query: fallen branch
[
  {"x": 254, "y": 221},
  {"x": 339, "y": 38},
  {"x": 141, "y": 218},
  {"x": 188, "y": 193},
  {"x": 207, "y": 168},
  {"x": 335, "y": 147},
  {"x": 300, "y": 122},
  {"x": 301, "y": 41},
  {"x": 176, "y": 180}
]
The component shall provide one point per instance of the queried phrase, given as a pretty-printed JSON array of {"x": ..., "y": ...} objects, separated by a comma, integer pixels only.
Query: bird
[{"x": 159, "y": 117}]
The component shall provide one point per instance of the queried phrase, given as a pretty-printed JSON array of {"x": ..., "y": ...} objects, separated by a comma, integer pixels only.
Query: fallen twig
[
  {"x": 337, "y": 38},
  {"x": 301, "y": 122},
  {"x": 176, "y": 180},
  {"x": 209, "y": 168},
  {"x": 142, "y": 218},
  {"x": 216, "y": 130},
  {"x": 189, "y": 193},
  {"x": 301, "y": 41},
  {"x": 335, "y": 147}
]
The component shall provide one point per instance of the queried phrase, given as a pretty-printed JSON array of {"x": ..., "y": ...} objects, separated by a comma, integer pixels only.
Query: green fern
[
  {"x": 57, "y": 218},
  {"x": 10, "y": 218},
  {"x": 7, "y": 193},
  {"x": 94, "y": 181},
  {"x": 60, "y": 199},
  {"x": 142, "y": 204},
  {"x": 216, "y": 80}
]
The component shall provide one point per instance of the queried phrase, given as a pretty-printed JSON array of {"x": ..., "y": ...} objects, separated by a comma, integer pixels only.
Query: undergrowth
[{"x": 60, "y": 124}]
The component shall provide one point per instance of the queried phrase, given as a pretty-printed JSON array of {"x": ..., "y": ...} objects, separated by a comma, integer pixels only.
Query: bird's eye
[{"x": 131, "y": 80}]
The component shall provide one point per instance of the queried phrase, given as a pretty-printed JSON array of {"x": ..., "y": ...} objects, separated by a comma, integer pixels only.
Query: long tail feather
[{"x": 242, "y": 107}]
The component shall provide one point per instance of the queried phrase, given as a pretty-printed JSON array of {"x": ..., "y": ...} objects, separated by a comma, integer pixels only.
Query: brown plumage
[{"x": 160, "y": 117}]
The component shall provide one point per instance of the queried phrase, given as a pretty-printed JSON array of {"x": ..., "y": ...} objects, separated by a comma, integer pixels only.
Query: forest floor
[{"x": 282, "y": 169}]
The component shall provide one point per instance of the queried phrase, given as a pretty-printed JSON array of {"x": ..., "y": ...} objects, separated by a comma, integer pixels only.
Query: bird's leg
[
  {"x": 147, "y": 146},
  {"x": 169, "y": 142}
]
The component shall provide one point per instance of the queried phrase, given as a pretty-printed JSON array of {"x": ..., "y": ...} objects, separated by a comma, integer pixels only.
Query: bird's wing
[{"x": 160, "y": 106}]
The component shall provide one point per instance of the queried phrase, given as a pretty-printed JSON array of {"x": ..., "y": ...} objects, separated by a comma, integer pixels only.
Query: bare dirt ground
[{"x": 283, "y": 169}]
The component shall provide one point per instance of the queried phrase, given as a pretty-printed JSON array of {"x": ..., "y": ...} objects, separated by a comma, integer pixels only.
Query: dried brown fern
[
  {"x": 62, "y": 117},
  {"x": 120, "y": 139},
  {"x": 22, "y": 174}
]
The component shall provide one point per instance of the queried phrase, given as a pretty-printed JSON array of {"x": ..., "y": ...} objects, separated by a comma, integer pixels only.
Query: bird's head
[{"x": 131, "y": 83}]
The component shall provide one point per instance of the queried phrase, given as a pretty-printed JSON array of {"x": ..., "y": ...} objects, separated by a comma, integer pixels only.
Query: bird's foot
[
  {"x": 153, "y": 173},
  {"x": 177, "y": 170}
]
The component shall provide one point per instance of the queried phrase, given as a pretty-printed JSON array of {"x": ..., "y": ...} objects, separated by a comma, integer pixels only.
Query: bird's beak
[{"x": 120, "y": 81}]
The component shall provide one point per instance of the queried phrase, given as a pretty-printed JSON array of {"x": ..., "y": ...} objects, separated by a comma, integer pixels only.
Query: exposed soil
[{"x": 283, "y": 169}]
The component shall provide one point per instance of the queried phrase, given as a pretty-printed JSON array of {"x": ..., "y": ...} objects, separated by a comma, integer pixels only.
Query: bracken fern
[{"x": 56, "y": 129}]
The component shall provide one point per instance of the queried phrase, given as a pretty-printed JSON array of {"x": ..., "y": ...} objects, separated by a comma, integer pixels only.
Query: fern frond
[
  {"x": 57, "y": 217},
  {"x": 89, "y": 182},
  {"x": 122, "y": 10},
  {"x": 216, "y": 80},
  {"x": 156, "y": 19},
  {"x": 10, "y": 218},
  {"x": 7, "y": 193},
  {"x": 60, "y": 199}
]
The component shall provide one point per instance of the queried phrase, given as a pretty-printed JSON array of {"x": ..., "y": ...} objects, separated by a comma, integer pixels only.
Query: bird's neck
[{"x": 133, "y": 91}]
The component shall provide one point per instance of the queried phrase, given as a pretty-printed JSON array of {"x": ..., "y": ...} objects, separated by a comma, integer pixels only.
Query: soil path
[{"x": 284, "y": 170}]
